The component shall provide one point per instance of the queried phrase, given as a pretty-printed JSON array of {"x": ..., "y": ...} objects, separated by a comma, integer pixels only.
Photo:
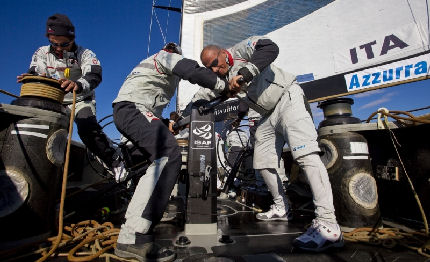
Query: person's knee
[
  {"x": 87, "y": 126},
  {"x": 312, "y": 158},
  {"x": 172, "y": 148}
]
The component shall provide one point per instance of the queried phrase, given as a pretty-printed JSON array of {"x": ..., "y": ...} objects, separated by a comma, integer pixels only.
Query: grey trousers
[
  {"x": 291, "y": 123},
  {"x": 152, "y": 193}
]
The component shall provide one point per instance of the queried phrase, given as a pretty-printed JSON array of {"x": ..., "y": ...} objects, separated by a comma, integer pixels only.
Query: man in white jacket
[
  {"x": 286, "y": 118},
  {"x": 137, "y": 110},
  {"x": 85, "y": 75}
]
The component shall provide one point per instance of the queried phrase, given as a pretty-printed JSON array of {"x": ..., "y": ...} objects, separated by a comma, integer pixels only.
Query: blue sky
[{"x": 118, "y": 32}]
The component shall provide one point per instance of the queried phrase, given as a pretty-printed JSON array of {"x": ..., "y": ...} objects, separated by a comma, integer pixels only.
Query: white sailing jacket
[
  {"x": 86, "y": 68},
  {"x": 252, "y": 58},
  {"x": 152, "y": 83}
]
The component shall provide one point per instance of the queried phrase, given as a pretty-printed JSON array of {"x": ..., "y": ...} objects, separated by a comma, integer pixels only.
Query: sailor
[
  {"x": 137, "y": 110},
  {"x": 84, "y": 75},
  {"x": 286, "y": 117}
]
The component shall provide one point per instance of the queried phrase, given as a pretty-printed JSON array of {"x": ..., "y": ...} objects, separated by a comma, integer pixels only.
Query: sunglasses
[
  {"x": 215, "y": 61},
  {"x": 65, "y": 44}
]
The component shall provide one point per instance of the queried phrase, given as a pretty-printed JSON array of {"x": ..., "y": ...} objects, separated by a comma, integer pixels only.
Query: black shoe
[{"x": 145, "y": 252}]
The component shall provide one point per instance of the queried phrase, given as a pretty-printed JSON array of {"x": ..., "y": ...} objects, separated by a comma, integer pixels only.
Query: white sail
[{"x": 334, "y": 47}]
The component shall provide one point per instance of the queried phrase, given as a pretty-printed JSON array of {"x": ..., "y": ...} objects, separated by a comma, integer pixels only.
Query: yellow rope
[
  {"x": 395, "y": 115},
  {"x": 389, "y": 238},
  {"x": 42, "y": 90},
  {"x": 94, "y": 238},
  {"x": 64, "y": 185},
  {"x": 424, "y": 243},
  {"x": 386, "y": 113},
  {"x": 41, "y": 86},
  {"x": 7, "y": 93}
]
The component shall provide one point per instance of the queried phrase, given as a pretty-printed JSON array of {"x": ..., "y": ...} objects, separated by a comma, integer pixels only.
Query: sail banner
[
  {"x": 324, "y": 43},
  {"x": 388, "y": 74}
]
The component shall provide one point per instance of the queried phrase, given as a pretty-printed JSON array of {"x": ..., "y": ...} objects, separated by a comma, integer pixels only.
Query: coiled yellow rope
[{"x": 42, "y": 87}]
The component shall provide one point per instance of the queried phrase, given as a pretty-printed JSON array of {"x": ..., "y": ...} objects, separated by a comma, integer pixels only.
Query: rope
[
  {"x": 41, "y": 86},
  {"x": 394, "y": 114},
  {"x": 385, "y": 112},
  {"x": 389, "y": 238},
  {"x": 95, "y": 238},
  {"x": 42, "y": 90},
  {"x": 378, "y": 236},
  {"x": 395, "y": 141},
  {"x": 161, "y": 29},
  {"x": 7, "y": 93},
  {"x": 423, "y": 214},
  {"x": 150, "y": 27},
  {"x": 64, "y": 184},
  {"x": 99, "y": 238}
]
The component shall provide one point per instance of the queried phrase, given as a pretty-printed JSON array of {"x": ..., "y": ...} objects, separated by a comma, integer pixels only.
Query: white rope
[
  {"x": 161, "y": 29},
  {"x": 150, "y": 28},
  {"x": 168, "y": 15}
]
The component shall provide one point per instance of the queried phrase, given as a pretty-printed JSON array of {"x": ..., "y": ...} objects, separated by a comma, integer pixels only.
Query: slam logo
[{"x": 203, "y": 132}]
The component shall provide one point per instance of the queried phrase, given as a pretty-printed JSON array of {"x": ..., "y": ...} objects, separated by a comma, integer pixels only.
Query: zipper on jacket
[{"x": 155, "y": 101}]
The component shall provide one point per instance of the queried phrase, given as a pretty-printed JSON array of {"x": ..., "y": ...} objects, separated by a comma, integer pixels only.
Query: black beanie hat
[{"x": 61, "y": 25}]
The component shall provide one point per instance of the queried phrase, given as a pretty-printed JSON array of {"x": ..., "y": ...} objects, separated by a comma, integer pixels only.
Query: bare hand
[
  {"x": 171, "y": 123},
  {"x": 234, "y": 86},
  {"x": 69, "y": 85},
  {"x": 21, "y": 76}
]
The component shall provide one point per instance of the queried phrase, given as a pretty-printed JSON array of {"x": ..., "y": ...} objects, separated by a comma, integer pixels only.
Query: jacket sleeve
[
  {"x": 191, "y": 71},
  {"x": 91, "y": 71},
  {"x": 260, "y": 53},
  {"x": 201, "y": 94},
  {"x": 38, "y": 63}
]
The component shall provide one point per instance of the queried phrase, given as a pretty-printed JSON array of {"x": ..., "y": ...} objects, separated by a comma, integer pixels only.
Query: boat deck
[
  {"x": 253, "y": 240},
  {"x": 246, "y": 239}
]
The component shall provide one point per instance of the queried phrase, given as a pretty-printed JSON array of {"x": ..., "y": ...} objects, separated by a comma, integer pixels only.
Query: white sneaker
[
  {"x": 275, "y": 213},
  {"x": 320, "y": 236},
  {"x": 119, "y": 171},
  {"x": 231, "y": 194}
]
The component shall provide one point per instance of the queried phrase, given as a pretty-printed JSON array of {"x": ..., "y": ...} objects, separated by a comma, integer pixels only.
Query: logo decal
[
  {"x": 296, "y": 148},
  {"x": 203, "y": 132}
]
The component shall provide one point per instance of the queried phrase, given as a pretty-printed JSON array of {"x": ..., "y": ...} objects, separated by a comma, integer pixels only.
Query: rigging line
[
  {"x": 180, "y": 30},
  {"x": 161, "y": 29},
  {"x": 168, "y": 15},
  {"x": 150, "y": 28},
  {"x": 428, "y": 21},
  {"x": 416, "y": 23}
]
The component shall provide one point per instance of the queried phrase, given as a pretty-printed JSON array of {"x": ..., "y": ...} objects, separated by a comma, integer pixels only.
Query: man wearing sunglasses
[
  {"x": 85, "y": 74},
  {"x": 286, "y": 118}
]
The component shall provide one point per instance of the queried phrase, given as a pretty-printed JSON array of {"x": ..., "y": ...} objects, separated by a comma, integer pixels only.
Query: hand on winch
[
  {"x": 69, "y": 85},
  {"x": 21, "y": 76},
  {"x": 235, "y": 85}
]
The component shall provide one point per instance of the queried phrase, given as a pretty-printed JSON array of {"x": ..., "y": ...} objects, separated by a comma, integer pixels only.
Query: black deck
[{"x": 254, "y": 240}]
